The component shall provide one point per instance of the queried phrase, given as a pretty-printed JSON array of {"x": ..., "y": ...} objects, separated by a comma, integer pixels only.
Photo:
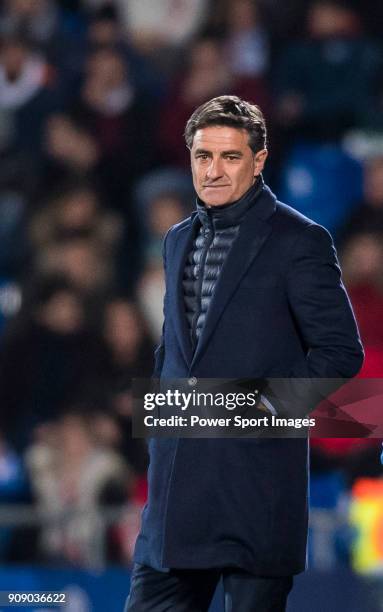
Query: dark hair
[
  {"x": 233, "y": 112},
  {"x": 106, "y": 12}
]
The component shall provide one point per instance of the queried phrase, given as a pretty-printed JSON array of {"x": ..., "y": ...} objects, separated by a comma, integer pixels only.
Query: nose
[{"x": 215, "y": 169}]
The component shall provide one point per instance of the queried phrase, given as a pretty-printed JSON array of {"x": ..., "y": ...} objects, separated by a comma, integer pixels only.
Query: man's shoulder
[
  {"x": 291, "y": 223},
  {"x": 297, "y": 233},
  {"x": 174, "y": 230},
  {"x": 283, "y": 218},
  {"x": 291, "y": 218},
  {"x": 185, "y": 223}
]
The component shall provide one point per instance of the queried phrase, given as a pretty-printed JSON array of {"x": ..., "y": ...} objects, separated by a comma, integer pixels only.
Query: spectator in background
[
  {"x": 28, "y": 91},
  {"x": 155, "y": 26},
  {"x": 36, "y": 19},
  {"x": 106, "y": 30},
  {"x": 73, "y": 235},
  {"x": 284, "y": 20},
  {"x": 120, "y": 120},
  {"x": 246, "y": 39},
  {"x": 48, "y": 359},
  {"x": 162, "y": 212},
  {"x": 131, "y": 346},
  {"x": 50, "y": 30},
  {"x": 131, "y": 356},
  {"x": 70, "y": 153},
  {"x": 323, "y": 82},
  {"x": 79, "y": 260},
  {"x": 362, "y": 258},
  {"x": 368, "y": 217},
  {"x": 205, "y": 77},
  {"x": 73, "y": 472},
  {"x": 75, "y": 212}
]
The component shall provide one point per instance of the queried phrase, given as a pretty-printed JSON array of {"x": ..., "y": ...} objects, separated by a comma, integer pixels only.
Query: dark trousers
[{"x": 193, "y": 590}]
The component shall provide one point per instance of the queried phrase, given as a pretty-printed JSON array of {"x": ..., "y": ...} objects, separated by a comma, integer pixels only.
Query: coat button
[{"x": 192, "y": 381}]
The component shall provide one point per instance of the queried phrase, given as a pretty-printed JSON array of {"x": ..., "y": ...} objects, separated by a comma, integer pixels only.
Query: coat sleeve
[
  {"x": 159, "y": 353},
  {"x": 325, "y": 322},
  {"x": 322, "y": 309}
]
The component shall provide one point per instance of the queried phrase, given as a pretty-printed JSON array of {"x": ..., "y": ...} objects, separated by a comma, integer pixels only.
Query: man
[{"x": 253, "y": 290}]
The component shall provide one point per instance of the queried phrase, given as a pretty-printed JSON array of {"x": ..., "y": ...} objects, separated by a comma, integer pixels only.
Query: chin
[{"x": 216, "y": 202}]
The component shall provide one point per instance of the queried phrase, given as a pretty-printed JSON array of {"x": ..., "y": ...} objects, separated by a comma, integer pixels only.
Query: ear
[{"x": 259, "y": 161}]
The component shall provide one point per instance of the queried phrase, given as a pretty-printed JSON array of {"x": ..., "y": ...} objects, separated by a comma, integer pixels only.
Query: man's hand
[
  {"x": 266, "y": 406},
  {"x": 261, "y": 406}
]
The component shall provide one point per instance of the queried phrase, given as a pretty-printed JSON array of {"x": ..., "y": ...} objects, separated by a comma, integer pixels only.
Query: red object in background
[
  {"x": 140, "y": 491},
  {"x": 373, "y": 361},
  {"x": 337, "y": 447},
  {"x": 367, "y": 303}
]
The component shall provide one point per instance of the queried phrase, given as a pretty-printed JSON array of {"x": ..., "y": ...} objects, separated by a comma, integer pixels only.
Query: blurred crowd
[{"x": 94, "y": 97}]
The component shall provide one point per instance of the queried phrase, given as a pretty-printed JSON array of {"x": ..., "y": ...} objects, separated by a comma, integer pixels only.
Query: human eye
[{"x": 202, "y": 156}]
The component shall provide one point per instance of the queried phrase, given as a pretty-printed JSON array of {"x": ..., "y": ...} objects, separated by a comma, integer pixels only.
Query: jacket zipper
[{"x": 208, "y": 235}]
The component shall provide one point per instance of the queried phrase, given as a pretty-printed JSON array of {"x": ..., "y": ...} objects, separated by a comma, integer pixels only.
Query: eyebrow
[{"x": 229, "y": 152}]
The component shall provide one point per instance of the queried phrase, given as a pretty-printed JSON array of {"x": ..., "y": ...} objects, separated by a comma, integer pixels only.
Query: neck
[{"x": 233, "y": 212}]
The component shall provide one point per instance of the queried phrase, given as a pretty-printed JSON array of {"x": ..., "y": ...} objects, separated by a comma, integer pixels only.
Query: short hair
[{"x": 233, "y": 112}]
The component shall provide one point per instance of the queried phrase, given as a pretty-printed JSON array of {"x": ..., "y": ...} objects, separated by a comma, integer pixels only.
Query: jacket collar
[
  {"x": 253, "y": 233},
  {"x": 229, "y": 214}
]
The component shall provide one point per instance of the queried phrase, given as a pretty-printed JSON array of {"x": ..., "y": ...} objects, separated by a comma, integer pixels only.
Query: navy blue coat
[{"x": 279, "y": 310}]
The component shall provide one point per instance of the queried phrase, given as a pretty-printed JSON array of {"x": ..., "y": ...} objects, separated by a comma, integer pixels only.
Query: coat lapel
[{"x": 253, "y": 233}]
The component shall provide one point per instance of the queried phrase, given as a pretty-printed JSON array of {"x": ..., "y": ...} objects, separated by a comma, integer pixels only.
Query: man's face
[{"x": 223, "y": 165}]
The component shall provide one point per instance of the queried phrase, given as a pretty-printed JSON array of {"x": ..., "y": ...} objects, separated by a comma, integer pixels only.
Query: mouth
[{"x": 215, "y": 186}]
